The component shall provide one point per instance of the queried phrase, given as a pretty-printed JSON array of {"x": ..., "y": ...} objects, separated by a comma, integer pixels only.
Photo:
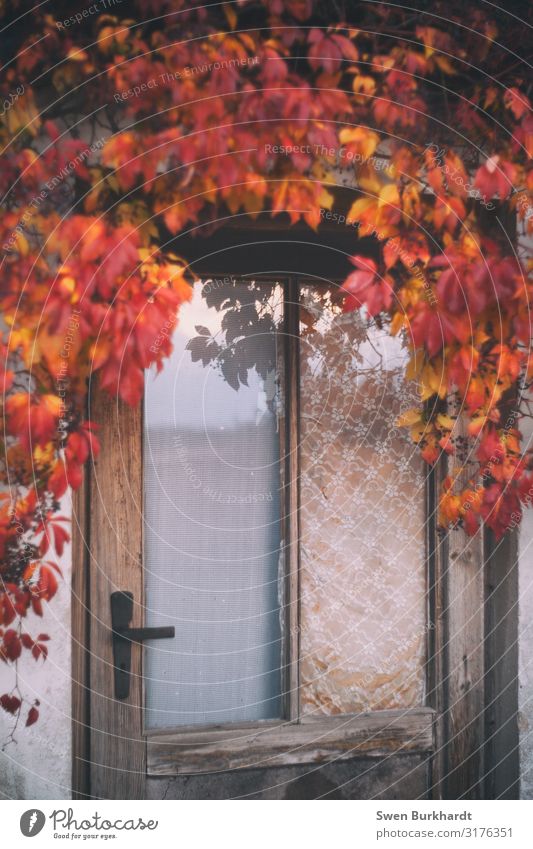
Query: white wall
[
  {"x": 38, "y": 765},
  {"x": 525, "y": 643}
]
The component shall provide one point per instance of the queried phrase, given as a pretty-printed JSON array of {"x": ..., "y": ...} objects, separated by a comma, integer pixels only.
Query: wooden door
[{"x": 433, "y": 744}]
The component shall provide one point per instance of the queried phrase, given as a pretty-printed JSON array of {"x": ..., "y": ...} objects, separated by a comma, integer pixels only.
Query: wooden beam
[
  {"x": 117, "y": 753},
  {"x": 464, "y": 664},
  {"x": 502, "y": 775},
  {"x": 436, "y": 674},
  {"x": 456, "y": 650},
  {"x": 292, "y": 500},
  {"x": 80, "y": 606},
  {"x": 314, "y": 740}
]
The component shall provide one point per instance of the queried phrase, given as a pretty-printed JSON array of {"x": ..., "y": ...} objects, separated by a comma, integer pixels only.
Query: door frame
[{"x": 472, "y": 596}]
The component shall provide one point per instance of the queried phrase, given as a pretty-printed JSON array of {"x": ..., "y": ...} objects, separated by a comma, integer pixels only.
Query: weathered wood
[
  {"x": 464, "y": 649},
  {"x": 465, "y": 664},
  {"x": 501, "y": 664},
  {"x": 314, "y": 740},
  {"x": 292, "y": 501},
  {"x": 475, "y": 677},
  {"x": 117, "y": 751},
  {"x": 80, "y": 640},
  {"x": 436, "y": 554},
  {"x": 402, "y": 776},
  {"x": 502, "y": 768}
]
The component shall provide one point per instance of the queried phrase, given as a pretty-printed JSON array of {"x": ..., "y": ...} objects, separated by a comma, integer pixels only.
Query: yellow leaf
[
  {"x": 358, "y": 209},
  {"x": 360, "y": 140},
  {"x": 444, "y": 64},
  {"x": 248, "y": 42},
  {"x": 68, "y": 284},
  {"x": 325, "y": 199},
  {"x": 20, "y": 243},
  {"x": 433, "y": 381},
  {"x": 476, "y": 424},
  {"x": 77, "y": 55},
  {"x": 397, "y": 323},
  {"x": 445, "y": 422},
  {"x": 411, "y": 201},
  {"x": 233, "y": 202},
  {"x": 410, "y": 417},
  {"x": 231, "y": 15},
  {"x": 364, "y": 86},
  {"x": 370, "y": 179},
  {"x": 253, "y": 203},
  {"x": 44, "y": 454},
  {"x": 413, "y": 367},
  {"x": 389, "y": 195},
  {"x": 418, "y": 432}
]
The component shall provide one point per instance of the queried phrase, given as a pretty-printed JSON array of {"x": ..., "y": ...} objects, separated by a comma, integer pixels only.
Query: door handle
[{"x": 124, "y": 636}]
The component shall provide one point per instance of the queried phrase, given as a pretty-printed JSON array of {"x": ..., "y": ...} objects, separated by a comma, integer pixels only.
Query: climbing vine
[{"x": 125, "y": 124}]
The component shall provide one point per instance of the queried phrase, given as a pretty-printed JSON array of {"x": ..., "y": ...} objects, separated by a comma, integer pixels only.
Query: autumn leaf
[
  {"x": 495, "y": 178},
  {"x": 33, "y": 716},
  {"x": 11, "y": 704},
  {"x": 359, "y": 141},
  {"x": 33, "y": 419},
  {"x": 12, "y": 645},
  {"x": 47, "y": 584},
  {"x": 328, "y": 50},
  {"x": 180, "y": 136}
]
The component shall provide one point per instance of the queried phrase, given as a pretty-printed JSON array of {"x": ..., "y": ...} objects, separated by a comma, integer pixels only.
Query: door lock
[{"x": 124, "y": 636}]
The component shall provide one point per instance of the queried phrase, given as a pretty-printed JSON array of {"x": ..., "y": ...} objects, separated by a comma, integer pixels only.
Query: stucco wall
[
  {"x": 525, "y": 648},
  {"x": 38, "y": 764}
]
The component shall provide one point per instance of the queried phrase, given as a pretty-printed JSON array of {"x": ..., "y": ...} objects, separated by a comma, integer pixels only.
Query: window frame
[
  {"x": 287, "y": 367},
  {"x": 291, "y": 739}
]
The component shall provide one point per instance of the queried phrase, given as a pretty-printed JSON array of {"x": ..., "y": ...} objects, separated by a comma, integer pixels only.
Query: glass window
[
  {"x": 212, "y": 511},
  {"x": 213, "y": 529},
  {"x": 363, "y": 607}
]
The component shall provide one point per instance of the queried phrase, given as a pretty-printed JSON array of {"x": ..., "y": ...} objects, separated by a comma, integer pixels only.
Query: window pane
[
  {"x": 362, "y": 518},
  {"x": 212, "y": 515}
]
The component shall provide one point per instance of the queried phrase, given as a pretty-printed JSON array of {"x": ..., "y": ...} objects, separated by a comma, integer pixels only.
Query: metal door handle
[{"x": 124, "y": 636}]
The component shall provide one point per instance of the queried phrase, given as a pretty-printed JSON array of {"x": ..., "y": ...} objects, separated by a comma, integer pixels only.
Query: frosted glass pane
[
  {"x": 362, "y": 519},
  {"x": 212, "y": 514}
]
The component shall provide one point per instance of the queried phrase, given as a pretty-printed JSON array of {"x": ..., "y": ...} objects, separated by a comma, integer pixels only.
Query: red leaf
[
  {"x": 61, "y": 536},
  {"x": 450, "y": 289},
  {"x": 33, "y": 716},
  {"x": 47, "y": 583},
  {"x": 33, "y": 420},
  {"x": 517, "y": 102},
  {"x": 39, "y": 650},
  {"x": 495, "y": 177},
  {"x": 22, "y": 602},
  {"x": 12, "y": 644},
  {"x": 74, "y": 475},
  {"x": 57, "y": 482},
  {"x": 37, "y": 606},
  {"x": 10, "y": 703},
  {"x": 9, "y": 611},
  {"x": 471, "y": 521}
]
